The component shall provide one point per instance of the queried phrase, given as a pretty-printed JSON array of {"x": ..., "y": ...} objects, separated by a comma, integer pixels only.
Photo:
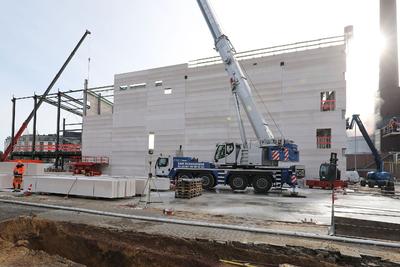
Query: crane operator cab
[{"x": 227, "y": 153}]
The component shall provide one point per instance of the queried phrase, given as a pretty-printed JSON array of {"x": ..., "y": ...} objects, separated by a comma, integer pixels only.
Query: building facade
[{"x": 301, "y": 93}]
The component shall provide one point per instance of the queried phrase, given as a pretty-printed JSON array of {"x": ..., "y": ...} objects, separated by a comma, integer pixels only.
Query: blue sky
[{"x": 127, "y": 35}]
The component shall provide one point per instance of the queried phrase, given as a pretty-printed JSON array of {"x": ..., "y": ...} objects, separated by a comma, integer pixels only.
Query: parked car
[{"x": 352, "y": 177}]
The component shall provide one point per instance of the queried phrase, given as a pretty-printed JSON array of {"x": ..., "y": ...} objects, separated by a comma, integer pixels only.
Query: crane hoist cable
[{"x": 262, "y": 100}]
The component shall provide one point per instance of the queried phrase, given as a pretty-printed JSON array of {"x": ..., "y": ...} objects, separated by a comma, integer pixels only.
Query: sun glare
[
  {"x": 381, "y": 45},
  {"x": 362, "y": 76}
]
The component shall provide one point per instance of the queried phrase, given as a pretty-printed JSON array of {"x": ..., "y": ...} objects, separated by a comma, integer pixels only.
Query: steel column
[
  {"x": 58, "y": 128},
  {"x": 85, "y": 88},
  {"x": 62, "y": 141},
  {"x": 43, "y": 97},
  {"x": 34, "y": 126},
  {"x": 99, "y": 104},
  {"x": 13, "y": 100}
]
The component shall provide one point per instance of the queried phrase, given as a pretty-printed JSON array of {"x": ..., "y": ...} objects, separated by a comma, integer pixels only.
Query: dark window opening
[
  {"x": 324, "y": 138},
  {"x": 328, "y": 101}
]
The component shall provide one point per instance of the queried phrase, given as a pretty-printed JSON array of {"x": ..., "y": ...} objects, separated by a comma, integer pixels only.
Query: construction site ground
[{"x": 114, "y": 241}]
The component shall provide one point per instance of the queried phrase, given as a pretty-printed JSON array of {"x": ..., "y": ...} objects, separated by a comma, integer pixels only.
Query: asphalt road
[{"x": 10, "y": 211}]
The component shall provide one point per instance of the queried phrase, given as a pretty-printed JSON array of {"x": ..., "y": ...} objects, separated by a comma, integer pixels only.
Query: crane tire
[
  {"x": 262, "y": 184},
  {"x": 208, "y": 180},
  {"x": 238, "y": 182}
]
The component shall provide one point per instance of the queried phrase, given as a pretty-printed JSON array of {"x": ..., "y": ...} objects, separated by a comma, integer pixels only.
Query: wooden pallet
[
  {"x": 187, "y": 195},
  {"x": 188, "y": 188}
]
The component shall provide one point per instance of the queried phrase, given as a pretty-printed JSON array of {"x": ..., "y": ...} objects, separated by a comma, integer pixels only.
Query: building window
[
  {"x": 328, "y": 101},
  {"x": 324, "y": 138},
  {"x": 167, "y": 91},
  {"x": 137, "y": 85},
  {"x": 158, "y": 83},
  {"x": 41, "y": 146}
]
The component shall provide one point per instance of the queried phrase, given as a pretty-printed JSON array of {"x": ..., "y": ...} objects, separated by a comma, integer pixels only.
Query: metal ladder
[{"x": 244, "y": 159}]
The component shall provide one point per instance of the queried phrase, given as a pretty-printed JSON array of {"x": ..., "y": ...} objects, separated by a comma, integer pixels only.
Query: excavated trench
[{"x": 69, "y": 244}]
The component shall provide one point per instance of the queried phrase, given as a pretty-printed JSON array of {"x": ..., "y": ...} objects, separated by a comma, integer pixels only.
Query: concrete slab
[
  {"x": 30, "y": 168},
  {"x": 160, "y": 184},
  {"x": 98, "y": 186},
  {"x": 140, "y": 186},
  {"x": 6, "y": 181}
]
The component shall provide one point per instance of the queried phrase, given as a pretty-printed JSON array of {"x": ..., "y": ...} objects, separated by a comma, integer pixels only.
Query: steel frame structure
[{"x": 62, "y": 100}]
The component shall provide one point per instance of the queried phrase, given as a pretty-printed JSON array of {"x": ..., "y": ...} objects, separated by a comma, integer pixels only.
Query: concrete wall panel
[{"x": 199, "y": 111}]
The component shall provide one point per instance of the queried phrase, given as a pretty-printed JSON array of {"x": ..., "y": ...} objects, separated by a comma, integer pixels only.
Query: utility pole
[
  {"x": 12, "y": 126},
  {"x": 333, "y": 177}
]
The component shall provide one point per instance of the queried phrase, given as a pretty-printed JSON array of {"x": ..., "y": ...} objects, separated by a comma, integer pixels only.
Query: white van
[{"x": 351, "y": 177}]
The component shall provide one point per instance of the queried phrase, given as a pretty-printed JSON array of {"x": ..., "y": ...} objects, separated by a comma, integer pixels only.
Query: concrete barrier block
[
  {"x": 30, "y": 168},
  {"x": 160, "y": 184},
  {"x": 141, "y": 186},
  {"x": 6, "y": 181}
]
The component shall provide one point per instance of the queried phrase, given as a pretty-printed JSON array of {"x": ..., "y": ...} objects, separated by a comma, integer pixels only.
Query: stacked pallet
[{"x": 188, "y": 188}]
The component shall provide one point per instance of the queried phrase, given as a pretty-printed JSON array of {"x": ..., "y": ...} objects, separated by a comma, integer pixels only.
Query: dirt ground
[
  {"x": 32, "y": 241},
  {"x": 17, "y": 253}
]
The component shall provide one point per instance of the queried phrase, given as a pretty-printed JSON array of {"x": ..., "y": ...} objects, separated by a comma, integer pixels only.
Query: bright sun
[{"x": 362, "y": 76}]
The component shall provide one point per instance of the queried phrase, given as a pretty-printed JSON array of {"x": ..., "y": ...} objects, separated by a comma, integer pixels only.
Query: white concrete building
[{"x": 302, "y": 87}]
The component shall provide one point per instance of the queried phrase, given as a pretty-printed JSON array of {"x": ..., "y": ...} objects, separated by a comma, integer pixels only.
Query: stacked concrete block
[
  {"x": 160, "y": 184},
  {"x": 30, "y": 168},
  {"x": 101, "y": 186},
  {"x": 141, "y": 186},
  {"x": 6, "y": 181},
  {"x": 130, "y": 189},
  {"x": 30, "y": 180},
  {"x": 7, "y": 170},
  {"x": 109, "y": 188}
]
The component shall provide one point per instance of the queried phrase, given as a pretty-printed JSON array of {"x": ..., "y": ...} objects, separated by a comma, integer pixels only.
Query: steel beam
[{"x": 55, "y": 103}]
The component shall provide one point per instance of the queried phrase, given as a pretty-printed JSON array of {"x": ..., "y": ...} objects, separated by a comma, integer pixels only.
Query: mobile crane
[
  {"x": 379, "y": 176},
  {"x": 239, "y": 165}
]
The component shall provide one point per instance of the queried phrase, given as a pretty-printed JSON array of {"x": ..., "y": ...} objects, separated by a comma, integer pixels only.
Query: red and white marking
[
  {"x": 275, "y": 155},
  {"x": 286, "y": 154},
  {"x": 293, "y": 178}
]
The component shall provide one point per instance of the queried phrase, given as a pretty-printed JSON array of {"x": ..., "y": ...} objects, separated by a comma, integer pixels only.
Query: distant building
[{"x": 44, "y": 142}]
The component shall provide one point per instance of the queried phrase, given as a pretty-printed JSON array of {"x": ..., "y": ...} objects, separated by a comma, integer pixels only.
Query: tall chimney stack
[
  {"x": 389, "y": 90},
  {"x": 388, "y": 70}
]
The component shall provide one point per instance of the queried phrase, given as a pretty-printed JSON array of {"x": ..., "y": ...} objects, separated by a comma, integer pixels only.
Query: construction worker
[
  {"x": 394, "y": 124},
  {"x": 18, "y": 175}
]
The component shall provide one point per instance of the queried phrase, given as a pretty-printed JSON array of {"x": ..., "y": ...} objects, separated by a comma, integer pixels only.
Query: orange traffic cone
[{"x": 28, "y": 192}]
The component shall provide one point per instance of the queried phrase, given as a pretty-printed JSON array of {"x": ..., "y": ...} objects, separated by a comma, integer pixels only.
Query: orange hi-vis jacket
[{"x": 19, "y": 169}]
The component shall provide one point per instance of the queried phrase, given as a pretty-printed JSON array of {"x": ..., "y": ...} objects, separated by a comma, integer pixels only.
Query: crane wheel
[
  {"x": 237, "y": 182},
  {"x": 208, "y": 180},
  {"x": 262, "y": 184}
]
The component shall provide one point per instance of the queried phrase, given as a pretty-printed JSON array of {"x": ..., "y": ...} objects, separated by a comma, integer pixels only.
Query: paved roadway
[{"x": 315, "y": 205}]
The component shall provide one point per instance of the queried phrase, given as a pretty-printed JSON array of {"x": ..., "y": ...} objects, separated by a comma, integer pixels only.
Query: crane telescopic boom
[{"x": 239, "y": 83}]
